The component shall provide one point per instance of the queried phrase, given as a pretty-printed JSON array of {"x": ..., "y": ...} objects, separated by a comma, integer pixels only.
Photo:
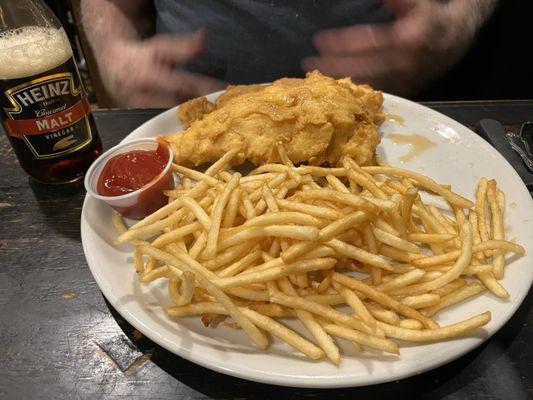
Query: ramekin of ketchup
[{"x": 132, "y": 176}]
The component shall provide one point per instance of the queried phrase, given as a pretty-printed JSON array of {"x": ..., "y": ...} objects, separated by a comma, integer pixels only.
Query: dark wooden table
[{"x": 59, "y": 339}]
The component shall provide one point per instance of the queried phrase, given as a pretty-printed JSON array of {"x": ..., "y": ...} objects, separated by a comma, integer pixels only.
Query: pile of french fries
[{"x": 351, "y": 252}]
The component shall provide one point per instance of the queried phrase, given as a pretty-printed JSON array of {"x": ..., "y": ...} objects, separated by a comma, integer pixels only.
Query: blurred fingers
[
  {"x": 400, "y": 7},
  {"x": 182, "y": 84},
  {"x": 179, "y": 48},
  {"x": 390, "y": 71},
  {"x": 357, "y": 38}
]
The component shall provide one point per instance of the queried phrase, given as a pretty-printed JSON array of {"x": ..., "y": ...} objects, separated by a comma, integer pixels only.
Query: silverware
[
  {"x": 492, "y": 131},
  {"x": 522, "y": 143}
]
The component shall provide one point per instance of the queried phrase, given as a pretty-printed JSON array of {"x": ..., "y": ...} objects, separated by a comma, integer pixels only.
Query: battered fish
[{"x": 319, "y": 119}]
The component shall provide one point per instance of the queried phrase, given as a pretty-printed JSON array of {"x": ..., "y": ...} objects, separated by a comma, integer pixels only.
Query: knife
[{"x": 492, "y": 131}]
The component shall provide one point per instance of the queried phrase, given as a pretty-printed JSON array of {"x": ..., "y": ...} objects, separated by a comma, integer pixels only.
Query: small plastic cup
[{"x": 141, "y": 202}]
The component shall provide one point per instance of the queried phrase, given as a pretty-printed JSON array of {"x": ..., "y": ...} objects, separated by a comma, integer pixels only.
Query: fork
[{"x": 520, "y": 143}]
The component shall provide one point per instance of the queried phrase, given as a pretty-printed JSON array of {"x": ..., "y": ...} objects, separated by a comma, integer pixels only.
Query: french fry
[
  {"x": 341, "y": 225},
  {"x": 176, "y": 234},
  {"x": 165, "y": 211},
  {"x": 298, "y": 232},
  {"x": 227, "y": 256},
  {"x": 454, "y": 297},
  {"x": 349, "y": 199},
  {"x": 198, "y": 245},
  {"x": 336, "y": 184},
  {"x": 431, "y": 237},
  {"x": 364, "y": 182},
  {"x": 284, "y": 333},
  {"x": 381, "y": 314},
  {"x": 231, "y": 209},
  {"x": 284, "y": 217},
  {"x": 411, "y": 324},
  {"x": 222, "y": 163},
  {"x": 481, "y": 195},
  {"x": 323, "y": 311},
  {"x": 356, "y": 304},
  {"x": 182, "y": 295},
  {"x": 403, "y": 280},
  {"x": 216, "y": 217},
  {"x": 453, "y": 255},
  {"x": 138, "y": 260},
  {"x": 276, "y": 272},
  {"x": 358, "y": 254},
  {"x": 316, "y": 211},
  {"x": 193, "y": 174},
  {"x": 198, "y": 211},
  {"x": 497, "y": 228},
  {"x": 185, "y": 261},
  {"x": 372, "y": 245},
  {"x": 394, "y": 241},
  {"x": 282, "y": 242},
  {"x": 272, "y": 310},
  {"x": 423, "y": 181},
  {"x": 384, "y": 299},
  {"x": 240, "y": 265},
  {"x": 307, "y": 319},
  {"x": 430, "y": 335},
  {"x": 361, "y": 338},
  {"x": 421, "y": 300},
  {"x": 325, "y": 283},
  {"x": 156, "y": 273}
]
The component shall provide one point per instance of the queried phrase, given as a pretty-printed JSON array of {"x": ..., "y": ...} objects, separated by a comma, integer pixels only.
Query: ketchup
[{"x": 133, "y": 170}]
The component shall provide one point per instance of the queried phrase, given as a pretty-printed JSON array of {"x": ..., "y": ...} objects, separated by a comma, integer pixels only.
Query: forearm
[
  {"x": 471, "y": 14},
  {"x": 107, "y": 22}
]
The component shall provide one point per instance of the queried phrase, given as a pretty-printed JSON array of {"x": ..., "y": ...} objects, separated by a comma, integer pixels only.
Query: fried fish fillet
[{"x": 319, "y": 119}]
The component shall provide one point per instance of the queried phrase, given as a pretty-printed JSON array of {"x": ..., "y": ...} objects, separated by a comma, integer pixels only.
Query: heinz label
[{"x": 49, "y": 112}]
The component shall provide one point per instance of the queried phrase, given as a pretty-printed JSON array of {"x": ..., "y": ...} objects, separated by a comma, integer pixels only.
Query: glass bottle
[{"x": 43, "y": 104}]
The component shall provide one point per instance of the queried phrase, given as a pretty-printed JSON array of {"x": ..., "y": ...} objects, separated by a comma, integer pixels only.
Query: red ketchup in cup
[{"x": 132, "y": 177}]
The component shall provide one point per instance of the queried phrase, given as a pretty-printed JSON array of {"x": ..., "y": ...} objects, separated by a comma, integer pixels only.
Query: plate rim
[{"x": 284, "y": 380}]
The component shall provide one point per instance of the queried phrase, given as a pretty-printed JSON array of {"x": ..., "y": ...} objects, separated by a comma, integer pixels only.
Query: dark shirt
[{"x": 260, "y": 40}]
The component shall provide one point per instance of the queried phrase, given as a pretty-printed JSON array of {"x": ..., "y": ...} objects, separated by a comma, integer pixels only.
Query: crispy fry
[
  {"x": 411, "y": 324},
  {"x": 383, "y": 299},
  {"x": 421, "y": 300},
  {"x": 372, "y": 246},
  {"x": 198, "y": 245},
  {"x": 497, "y": 227},
  {"x": 316, "y": 211},
  {"x": 424, "y": 181},
  {"x": 185, "y": 261},
  {"x": 481, "y": 195},
  {"x": 356, "y": 304},
  {"x": 307, "y": 319},
  {"x": 196, "y": 175},
  {"x": 323, "y": 311},
  {"x": 358, "y": 254},
  {"x": 430, "y": 237},
  {"x": 284, "y": 217},
  {"x": 216, "y": 216},
  {"x": 281, "y": 242},
  {"x": 453, "y": 255},
  {"x": 454, "y": 297},
  {"x": 359, "y": 337},
  {"x": 298, "y": 232},
  {"x": 431, "y": 335},
  {"x": 394, "y": 241},
  {"x": 276, "y": 272},
  {"x": 349, "y": 199}
]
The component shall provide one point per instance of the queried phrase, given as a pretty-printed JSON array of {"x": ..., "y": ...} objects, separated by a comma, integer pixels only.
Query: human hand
[
  {"x": 144, "y": 74},
  {"x": 426, "y": 38}
]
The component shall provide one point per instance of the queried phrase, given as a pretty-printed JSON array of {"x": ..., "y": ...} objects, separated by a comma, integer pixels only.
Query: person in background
[{"x": 157, "y": 53}]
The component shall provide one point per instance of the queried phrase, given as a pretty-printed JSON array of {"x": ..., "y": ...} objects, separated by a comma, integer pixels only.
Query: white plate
[{"x": 460, "y": 159}]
